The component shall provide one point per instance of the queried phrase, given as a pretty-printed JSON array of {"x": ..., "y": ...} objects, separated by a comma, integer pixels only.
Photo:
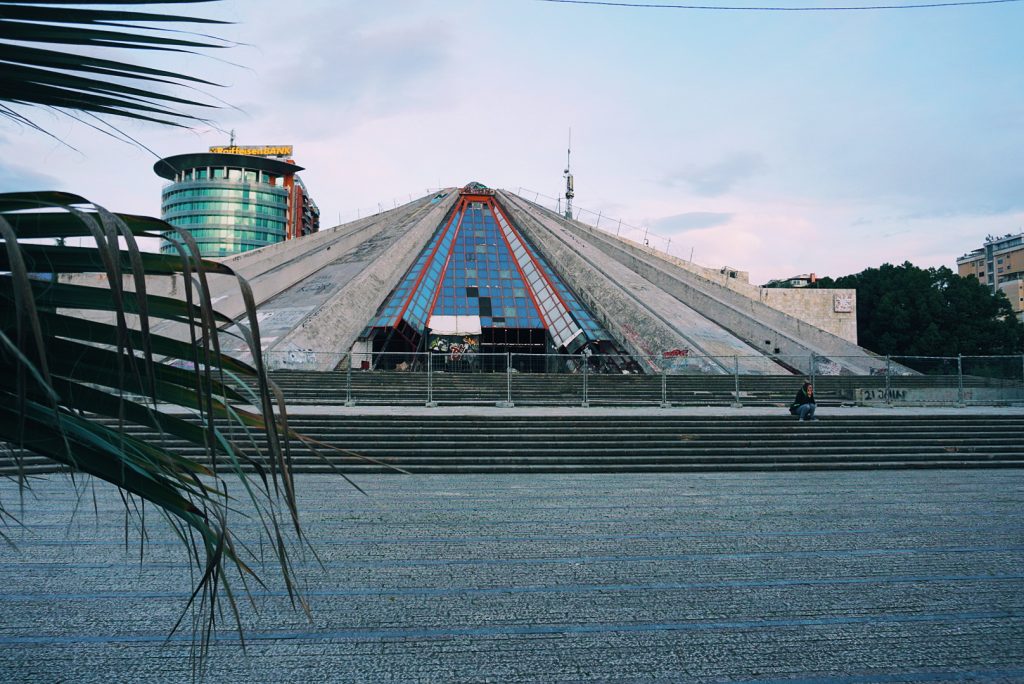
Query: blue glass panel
[
  {"x": 593, "y": 330},
  {"x": 469, "y": 258},
  {"x": 472, "y": 269}
]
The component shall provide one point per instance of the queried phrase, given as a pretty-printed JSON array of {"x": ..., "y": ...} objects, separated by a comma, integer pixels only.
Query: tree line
[{"x": 910, "y": 311}]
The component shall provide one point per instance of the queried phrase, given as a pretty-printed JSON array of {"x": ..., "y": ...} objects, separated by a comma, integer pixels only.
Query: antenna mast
[{"x": 569, "y": 190}]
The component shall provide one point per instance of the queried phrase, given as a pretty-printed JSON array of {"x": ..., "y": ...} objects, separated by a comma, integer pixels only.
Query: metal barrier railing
[{"x": 463, "y": 376}]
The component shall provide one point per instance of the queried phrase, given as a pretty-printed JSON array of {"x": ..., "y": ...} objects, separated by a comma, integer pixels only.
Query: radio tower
[{"x": 569, "y": 191}]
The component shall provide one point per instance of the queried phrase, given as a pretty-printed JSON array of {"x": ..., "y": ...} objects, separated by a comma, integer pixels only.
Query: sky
[{"x": 777, "y": 143}]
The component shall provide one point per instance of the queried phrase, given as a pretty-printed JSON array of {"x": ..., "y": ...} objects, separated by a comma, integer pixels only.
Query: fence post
[
  {"x": 664, "y": 385},
  {"x": 348, "y": 381},
  {"x": 813, "y": 371},
  {"x": 888, "y": 380},
  {"x": 508, "y": 383},
  {"x": 586, "y": 400},
  {"x": 736, "y": 376},
  {"x": 960, "y": 380},
  {"x": 430, "y": 380}
]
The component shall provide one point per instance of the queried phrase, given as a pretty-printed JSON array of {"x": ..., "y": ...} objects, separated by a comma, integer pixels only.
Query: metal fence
[
  {"x": 358, "y": 213},
  {"x": 460, "y": 377}
]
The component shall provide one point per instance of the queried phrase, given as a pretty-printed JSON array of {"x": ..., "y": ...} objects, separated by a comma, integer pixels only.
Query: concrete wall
[
  {"x": 925, "y": 396},
  {"x": 1014, "y": 291},
  {"x": 816, "y": 307}
]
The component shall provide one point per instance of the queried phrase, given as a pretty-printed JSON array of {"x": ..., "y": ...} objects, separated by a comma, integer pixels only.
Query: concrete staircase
[{"x": 443, "y": 442}]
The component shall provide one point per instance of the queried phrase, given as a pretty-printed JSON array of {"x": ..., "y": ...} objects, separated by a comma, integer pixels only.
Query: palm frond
[
  {"x": 72, "y": 78},
  {"x": 79, "y": 363}
]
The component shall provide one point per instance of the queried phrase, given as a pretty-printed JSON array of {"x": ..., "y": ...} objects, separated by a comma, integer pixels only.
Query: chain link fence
[{"x": 466, "y": 377}]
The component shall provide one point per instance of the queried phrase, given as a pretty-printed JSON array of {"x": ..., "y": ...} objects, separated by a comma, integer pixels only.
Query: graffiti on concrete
[
  {"x": 637, "y": 339},
  {"x": 881, "y": 394},
  {"x": 675, "y": 360},
  {"x": 827, "y": 367}
]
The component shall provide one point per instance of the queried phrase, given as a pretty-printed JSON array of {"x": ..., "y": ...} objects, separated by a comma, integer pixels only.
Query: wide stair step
[{"x": 447, "y": 443}]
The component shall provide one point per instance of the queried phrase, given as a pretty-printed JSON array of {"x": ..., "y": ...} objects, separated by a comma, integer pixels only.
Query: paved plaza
[{"x": 902, "y": 576}]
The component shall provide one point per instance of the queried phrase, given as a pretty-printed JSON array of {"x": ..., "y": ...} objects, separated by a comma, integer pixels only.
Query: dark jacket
[{"x": 801, "y": 398}]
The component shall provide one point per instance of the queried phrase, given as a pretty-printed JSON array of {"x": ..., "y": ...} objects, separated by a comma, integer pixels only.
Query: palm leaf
[
  {"x": 79, "y": 362},
  {"x": 62, "y": 371},
  {"x": 62, "y": 79}
]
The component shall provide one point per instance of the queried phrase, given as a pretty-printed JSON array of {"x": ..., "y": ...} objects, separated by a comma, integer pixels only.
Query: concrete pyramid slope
[
  {"x": 275, "y": 269},
  {"x": 648, "y": 320},
  {"x": 313, "y": 294},
  {"x": 748, "y": 319},
  {"x": 318, "y": 294}
]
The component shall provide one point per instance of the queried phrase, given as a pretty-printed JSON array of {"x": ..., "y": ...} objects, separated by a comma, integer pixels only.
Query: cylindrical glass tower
[{"x": 230, "y": 203}]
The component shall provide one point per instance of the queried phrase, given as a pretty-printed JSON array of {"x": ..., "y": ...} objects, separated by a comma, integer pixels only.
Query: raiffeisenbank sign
[{"x": 255, "y": 150}]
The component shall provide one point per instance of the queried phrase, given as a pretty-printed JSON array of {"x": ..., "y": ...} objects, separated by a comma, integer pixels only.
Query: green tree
[{"x": 906, "y": 310}]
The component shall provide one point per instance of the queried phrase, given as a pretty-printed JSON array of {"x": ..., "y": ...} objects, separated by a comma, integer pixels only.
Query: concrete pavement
[{"x": 824, "y": 577}]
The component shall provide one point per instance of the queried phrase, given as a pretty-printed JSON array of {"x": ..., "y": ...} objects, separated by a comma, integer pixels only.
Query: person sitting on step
[{"x": 803, "y": 406}]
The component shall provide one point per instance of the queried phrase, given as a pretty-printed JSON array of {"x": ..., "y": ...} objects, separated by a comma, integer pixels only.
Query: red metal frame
[
  {"x": 522, "y": 276},
  {"x": 447, "y": 261},
  {"x": 412, "y": 291},
  {"x": 491, "y": 201},
  {"x": 540, "y": 269}
]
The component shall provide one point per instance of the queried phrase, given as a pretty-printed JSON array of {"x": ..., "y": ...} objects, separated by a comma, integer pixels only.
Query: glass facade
[
  {"x": 226, "y": 216},
  {"x": 234, "y": 203},
  {"x": 478, "y": 265}
]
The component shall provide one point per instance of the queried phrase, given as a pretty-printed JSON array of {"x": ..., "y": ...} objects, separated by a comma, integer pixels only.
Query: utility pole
[{"x": 570, "y": 191}]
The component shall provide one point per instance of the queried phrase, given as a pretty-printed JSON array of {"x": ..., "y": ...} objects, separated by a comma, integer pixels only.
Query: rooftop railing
[{"x": 600, "y": 220}]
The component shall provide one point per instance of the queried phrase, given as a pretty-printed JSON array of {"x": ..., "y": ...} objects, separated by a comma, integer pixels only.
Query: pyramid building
[
  {"x": 480, "y": 283},
  {"x": 492, "y": 274}
]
